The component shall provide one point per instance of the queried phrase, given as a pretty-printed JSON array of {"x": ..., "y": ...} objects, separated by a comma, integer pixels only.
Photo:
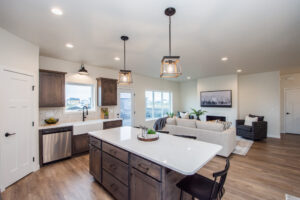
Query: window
[
  {"x": 158, "y": 104},
  {"x": 79, "y": 95}
]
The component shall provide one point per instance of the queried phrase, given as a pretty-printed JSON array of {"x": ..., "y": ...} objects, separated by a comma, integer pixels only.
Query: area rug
[
  {"x": 242, "y": 146},
  {"x": 290, "y": 197}
]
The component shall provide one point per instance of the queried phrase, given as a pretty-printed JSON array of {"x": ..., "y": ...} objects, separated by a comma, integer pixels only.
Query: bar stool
[{"x": 204, "y": 188}]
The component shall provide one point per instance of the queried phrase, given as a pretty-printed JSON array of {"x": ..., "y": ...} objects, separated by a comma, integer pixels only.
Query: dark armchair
[{"x": 257, "y": 131}]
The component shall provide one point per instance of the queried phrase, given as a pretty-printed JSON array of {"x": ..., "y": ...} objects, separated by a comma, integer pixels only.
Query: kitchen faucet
[{"x": 84, "y": 114}]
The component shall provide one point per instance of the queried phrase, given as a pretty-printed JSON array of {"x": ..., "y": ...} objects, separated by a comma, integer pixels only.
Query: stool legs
[{"x": 181, "y": 198}]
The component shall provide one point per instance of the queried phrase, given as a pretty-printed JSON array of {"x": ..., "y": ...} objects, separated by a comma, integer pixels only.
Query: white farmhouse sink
[{"x": 87, "y": 126}]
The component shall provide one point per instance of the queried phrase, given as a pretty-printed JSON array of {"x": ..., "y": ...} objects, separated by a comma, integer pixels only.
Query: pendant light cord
[
  {"x": 169, "y": 35},
  {"x": 124, "y": 55}
]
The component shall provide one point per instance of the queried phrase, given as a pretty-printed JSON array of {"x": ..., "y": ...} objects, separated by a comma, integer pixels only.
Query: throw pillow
[
  {"x": 184, "y": 115},
  {"x": 212, "y": 126},
  {"x": 249, "y": 120},
  {"x": 226, "y": 125},
  {"x": 260, "y": 118}
]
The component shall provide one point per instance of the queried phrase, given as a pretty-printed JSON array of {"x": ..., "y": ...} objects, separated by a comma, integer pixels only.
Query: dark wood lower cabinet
[
  {"x": 112, "y": 124},
  {"x": 80, "y": 144},
  {"x": 114, "y": 186},
  {"x": 128, "y": 176},
  {"x": 144, "y": 187},
  {"x": 95, "y": 163}
]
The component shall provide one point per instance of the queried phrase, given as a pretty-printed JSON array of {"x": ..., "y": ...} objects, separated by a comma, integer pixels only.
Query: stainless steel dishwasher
[{"x": 57, "y": 144}]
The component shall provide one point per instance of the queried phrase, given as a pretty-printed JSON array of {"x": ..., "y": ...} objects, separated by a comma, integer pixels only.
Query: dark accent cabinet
[
  {"x": 107, "y": 92},
  {"x": 95, "y": 161},
  {"x": 80, "y": 144},
  {"x": 51, "y": 89}
]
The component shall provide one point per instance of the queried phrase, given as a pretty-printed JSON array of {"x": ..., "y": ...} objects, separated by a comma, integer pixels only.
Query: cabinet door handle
[
  {"x": 113, "y": 166},
  {"x": 113, "y": 151},
  {"x": 143, "y": 168},
  {"x": 114, "y": 187}
]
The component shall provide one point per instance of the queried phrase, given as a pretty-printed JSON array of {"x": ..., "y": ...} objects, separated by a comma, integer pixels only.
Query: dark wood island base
[{"x": 127, "y": 176}]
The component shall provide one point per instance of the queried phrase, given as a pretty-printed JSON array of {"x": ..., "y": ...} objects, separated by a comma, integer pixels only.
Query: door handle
[
  {"x": 287, "y": 113},
  {"x": 9, "y": 134}
]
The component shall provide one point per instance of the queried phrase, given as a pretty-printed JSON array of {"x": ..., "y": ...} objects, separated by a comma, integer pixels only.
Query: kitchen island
[{"x": 132, "y": 169}]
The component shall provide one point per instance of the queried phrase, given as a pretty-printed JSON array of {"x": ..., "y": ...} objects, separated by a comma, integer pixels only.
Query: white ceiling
[{"x": 256, "y": 35}]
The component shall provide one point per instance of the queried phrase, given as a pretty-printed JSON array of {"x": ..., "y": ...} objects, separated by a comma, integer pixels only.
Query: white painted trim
[
  {"x": 129, "y": 90},
  {"x": 284, "y": 105}
]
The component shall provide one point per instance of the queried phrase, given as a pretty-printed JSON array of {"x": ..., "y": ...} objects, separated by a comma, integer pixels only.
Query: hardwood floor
[{"x": 270, "y": 169}]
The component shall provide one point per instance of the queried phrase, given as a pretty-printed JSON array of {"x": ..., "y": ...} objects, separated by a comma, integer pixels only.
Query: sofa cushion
[
  {"x": 171, "y": 121},
  {"x": 260, "y": 118},
  {"x": 249, "y": 120},
  {"x": 245, "y": 128},
  {"x": 212, "y": 126},
  {"x": 191, "y": 123}
]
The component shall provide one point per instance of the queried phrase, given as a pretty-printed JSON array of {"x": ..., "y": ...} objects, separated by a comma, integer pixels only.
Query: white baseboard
[
  {"x": 36, "y": 167},
  {"x": 274, "y": 136}
]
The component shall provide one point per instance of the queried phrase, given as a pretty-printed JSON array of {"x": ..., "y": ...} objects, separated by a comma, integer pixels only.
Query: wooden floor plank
[{"x": 269, "y": 170}]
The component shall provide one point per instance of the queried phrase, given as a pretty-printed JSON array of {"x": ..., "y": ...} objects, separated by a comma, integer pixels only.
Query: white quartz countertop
[
  {"x": 183, "y": 155},
  {"x": 58, "y": 125}
]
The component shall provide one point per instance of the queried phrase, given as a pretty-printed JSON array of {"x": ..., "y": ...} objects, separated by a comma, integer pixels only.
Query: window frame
[
  {"x": 161, "y": 93},
  {"x": 93, "y": 101}
]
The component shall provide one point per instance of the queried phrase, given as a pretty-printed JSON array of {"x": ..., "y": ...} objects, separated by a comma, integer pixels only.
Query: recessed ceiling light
[
  {"x": 224, "y": 59},
  {"x": 117, "y": 58},
  {"x": 188, "y": 77},
  {"x": 69, "y": 45},
  {"x": 56, "y": 11},
  {"x": 239, "y": 71}
]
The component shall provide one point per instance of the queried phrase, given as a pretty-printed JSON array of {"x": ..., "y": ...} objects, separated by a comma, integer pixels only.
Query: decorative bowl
[{"x": 51, "y": 121}]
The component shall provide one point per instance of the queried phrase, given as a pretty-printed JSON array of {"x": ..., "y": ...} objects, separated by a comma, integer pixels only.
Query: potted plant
[
  {"x": 106, "y": 114},
  {"x": 171, "y": 115},
  {"x": 198, "y": 113}
]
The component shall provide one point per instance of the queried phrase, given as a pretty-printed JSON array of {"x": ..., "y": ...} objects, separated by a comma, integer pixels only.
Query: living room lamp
[
  {"x": 170, "y": 66},
  {"x": 125, "y": 77}
]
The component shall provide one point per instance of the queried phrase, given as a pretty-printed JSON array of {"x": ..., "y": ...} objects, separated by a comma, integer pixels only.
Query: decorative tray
[{"x": 148, "y": 137}]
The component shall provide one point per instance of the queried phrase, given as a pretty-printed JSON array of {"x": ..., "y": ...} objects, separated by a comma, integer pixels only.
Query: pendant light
[
  {"x": 82, "y": 70},
  {"x": 125, "y": 77},
  {"x": 170, "y": 66}
]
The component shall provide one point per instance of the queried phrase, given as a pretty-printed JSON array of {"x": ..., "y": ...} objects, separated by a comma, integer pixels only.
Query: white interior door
[
  {"x": 16, "y": 131},
  {"x": 126, "y": 106},
  {"x": 292, "y": 111}
]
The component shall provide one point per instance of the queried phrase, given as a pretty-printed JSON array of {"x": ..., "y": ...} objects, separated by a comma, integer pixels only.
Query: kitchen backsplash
[{"x": 65, "y": 117}]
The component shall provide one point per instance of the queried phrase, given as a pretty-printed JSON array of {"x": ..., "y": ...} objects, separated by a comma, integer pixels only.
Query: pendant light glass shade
[
  {"x": 82, "y": 70},
  {"x": 170, "y": 65},
  {"x": 125, "y": 76}
]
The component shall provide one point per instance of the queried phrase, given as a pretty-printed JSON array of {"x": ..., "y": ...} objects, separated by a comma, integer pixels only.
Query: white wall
[
  {"x": 288, "y": 81},
  {"x": 259, "y": 94},
  {"x": 18, "y": 54},
  {"x": 188, "y": 96},
  {"x": 228, "y": 82},
  {"x": 140, "y": 84}
]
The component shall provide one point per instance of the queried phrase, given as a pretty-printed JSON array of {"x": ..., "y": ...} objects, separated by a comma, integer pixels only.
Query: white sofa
[{"x": 204, "y": 131}]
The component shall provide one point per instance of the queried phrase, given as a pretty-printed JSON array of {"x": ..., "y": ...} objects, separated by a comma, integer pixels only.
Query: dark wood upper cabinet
[
  {"x": 52, "y": 89},
  {"x": 107, "y": 92}
]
